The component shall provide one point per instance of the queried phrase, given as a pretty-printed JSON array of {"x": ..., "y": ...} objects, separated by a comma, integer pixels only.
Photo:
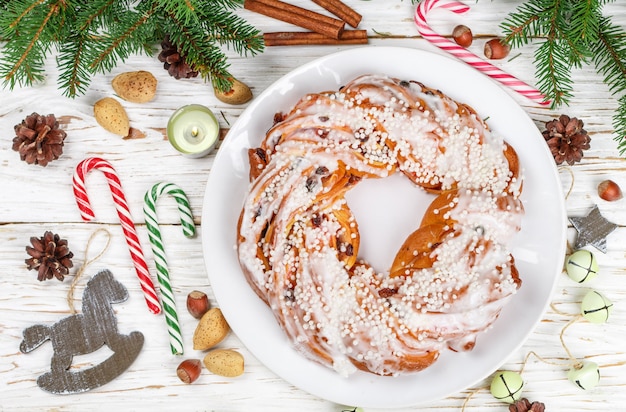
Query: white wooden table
[{"x": 36, "y": 199}]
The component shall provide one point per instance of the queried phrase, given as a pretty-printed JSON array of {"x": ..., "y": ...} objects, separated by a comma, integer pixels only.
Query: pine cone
[
  {"x": 38, "y": 139},
  {"x": 174, "y": 62},
  {"x": 50, "y": 256},
  {"x": 524, "y": 405},
  {"x": 566, "y": 139}
]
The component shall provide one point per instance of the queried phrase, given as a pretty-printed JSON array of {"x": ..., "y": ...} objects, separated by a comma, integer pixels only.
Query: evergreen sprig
[
  {"x": 94, "y": 36},
  {"x": 572, "y": 33}
]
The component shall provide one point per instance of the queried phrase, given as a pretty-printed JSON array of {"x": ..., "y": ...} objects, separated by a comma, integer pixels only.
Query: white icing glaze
[{"x": 291, "y": 241}]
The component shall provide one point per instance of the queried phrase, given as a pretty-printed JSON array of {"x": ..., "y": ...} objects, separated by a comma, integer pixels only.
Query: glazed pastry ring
[{"x": 298, "y": 241}]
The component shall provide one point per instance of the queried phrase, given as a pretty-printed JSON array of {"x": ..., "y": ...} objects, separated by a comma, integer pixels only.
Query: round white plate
[{"x": 384, "y": 215}]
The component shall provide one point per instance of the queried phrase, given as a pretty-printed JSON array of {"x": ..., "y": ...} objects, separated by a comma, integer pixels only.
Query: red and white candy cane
[
  {"x": 463, "y": 54},
  {"x": 123, "y": 211}
]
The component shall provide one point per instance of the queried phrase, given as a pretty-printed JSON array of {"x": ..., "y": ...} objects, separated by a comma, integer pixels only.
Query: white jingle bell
[
  {"x": 595, "y": 307},
  {"x": 507, "y": 386},
  {"x": 581, "y": 266},
  {"x": 586, "y": 375}
]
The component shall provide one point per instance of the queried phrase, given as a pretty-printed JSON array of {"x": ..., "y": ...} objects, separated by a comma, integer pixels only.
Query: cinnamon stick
[
  {"x": 308, "y": 19},
  {"x": 288, "y": 38},
  {"x": 341, "y": 10}
]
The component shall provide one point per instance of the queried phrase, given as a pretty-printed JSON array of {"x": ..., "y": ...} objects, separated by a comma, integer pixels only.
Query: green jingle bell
[
  {"x": 581, "y": 266},
  {"x": 586, "y": 375},
  {"x": 595, "y": 307},
  {"x": 507, "y": 386}
]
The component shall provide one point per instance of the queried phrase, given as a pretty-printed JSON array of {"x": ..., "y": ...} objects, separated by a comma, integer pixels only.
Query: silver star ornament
[{"x": 592, "y": 229}]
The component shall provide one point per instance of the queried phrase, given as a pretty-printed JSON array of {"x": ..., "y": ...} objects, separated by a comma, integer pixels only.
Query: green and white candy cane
[{"x": 154, "y": 233}]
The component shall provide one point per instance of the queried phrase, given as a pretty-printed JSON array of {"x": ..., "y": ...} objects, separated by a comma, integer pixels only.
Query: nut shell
[
  {"x": 609, "y": 190},
  {"x": 189, "y": 370},
  {"x": 239, "y": 93},
  {"x": 136, "y": 87},
  {"x": 197, "y": 303},
  {"x": 110, "y": 114},
  {"x": 224, "y": 362},
  {"x": 211, "y": 330},
  {"x": 495, "y": 49},
  {"x": 462, "y": 35}
]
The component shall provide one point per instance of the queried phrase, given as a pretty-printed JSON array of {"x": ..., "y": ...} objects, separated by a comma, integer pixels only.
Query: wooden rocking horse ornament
[{"x": 85, "y": 333}]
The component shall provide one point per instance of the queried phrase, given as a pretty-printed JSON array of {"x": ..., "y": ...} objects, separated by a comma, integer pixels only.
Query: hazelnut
[
  {"x": 496, "y": 49},
  {"x": 462, "y": 35},
  {"x": 609, "y": 191},
  {"x": 197, "y": 303},
  {"x": 189, "y": 370}
]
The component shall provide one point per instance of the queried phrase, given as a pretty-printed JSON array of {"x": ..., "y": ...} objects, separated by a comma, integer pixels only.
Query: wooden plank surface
[{"x": 36, "y": 199}]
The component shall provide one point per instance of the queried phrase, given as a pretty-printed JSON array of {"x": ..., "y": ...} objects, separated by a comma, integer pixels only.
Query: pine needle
[
  {"x": 94, "y": 36},
  {"x": 572, "y": 33}
]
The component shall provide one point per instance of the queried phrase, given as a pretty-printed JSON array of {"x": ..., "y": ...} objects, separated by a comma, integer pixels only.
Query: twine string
[
  {"x": 574, "y": 362},
  {"x": 571, "y": 182},
  {"x": 568, "y": 169},
  {"x": 540, "y": 358},
  {"x": 570, "y": 362},
  {"x": 87, "y": 262}
]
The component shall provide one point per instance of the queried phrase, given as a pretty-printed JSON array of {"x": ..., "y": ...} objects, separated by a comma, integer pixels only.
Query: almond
[
  {"x": 224, "y": 362},
  {"x": 211, "y": 330},
  {"x": 136, "y": 87},
  {"x": 110, "y": 114},
  {"x": 239, "y": 93}
]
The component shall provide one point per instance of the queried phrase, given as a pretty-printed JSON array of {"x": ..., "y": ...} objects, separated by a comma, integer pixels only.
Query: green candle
[{"x": 193, "y": 130}]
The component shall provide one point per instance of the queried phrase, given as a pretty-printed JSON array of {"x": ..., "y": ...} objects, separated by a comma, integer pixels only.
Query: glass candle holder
[{"x": 193, "y": 130}]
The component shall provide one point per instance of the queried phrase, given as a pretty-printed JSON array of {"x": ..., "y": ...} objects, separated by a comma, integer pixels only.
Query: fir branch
[
  {"x": 74, "y": 78},
  {"x": 553, "y": 72},
  {"x": 587, "y": 14},
  {"x": 230, "y": 30},
  {"x": 184, "y": 10},
  {"x": 94, "y": 36},
  {"x": 227, "y": 4},
  {"x": 619, "y": 124},
  {"x": 610, "y": 55},
  {"x": 553, "y": 58},
  {"x": 200, "y": 53},
  {"x": 520, "y": 27},
  {"x": 94, "y": 14},
  {"x": 126, "y": 38},
  {"x": 610, "y": 61},
  {"x": 24, "y": 66},
  {"x": 575, "y": 33},
  {"x": 24, "y": 13}
]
